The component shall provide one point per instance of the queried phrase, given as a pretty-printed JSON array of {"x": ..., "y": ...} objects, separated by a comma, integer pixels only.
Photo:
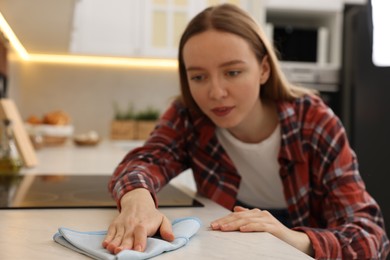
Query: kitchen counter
[
  {"x": 92, "y": 160},
  {"x": 70, "y": 158},
  {"x": 27, "y": 233}
]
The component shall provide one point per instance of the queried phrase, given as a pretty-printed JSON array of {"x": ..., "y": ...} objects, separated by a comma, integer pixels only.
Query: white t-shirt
[{"x": 258, "y": 166}]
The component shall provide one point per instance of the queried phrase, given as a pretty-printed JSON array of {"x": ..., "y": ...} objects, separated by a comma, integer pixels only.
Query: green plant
[
  {"x": 148, "y": 114},
  {"x": 121, "y": 115}
]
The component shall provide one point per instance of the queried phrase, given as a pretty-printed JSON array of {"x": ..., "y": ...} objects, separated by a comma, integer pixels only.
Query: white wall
[{"x": 87, "y": 93}]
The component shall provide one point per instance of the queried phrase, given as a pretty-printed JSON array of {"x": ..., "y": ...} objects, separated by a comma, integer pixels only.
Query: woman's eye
[
  {"x": 197, "y": 78},
  {"x": 233, "y": 73}
]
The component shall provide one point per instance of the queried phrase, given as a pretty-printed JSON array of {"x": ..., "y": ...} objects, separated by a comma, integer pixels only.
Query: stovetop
[{"x": 73, "y": 191}]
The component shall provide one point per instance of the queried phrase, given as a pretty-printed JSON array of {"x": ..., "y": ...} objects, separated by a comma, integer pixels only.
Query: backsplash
[{"x": 88, "y": 93}]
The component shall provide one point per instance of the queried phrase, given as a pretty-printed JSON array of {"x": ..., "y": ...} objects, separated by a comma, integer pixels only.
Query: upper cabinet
[
  {"x": 137, "y": 28},
  {"x": 103, "y": 28},
  {"x": 152, "y": 28}
]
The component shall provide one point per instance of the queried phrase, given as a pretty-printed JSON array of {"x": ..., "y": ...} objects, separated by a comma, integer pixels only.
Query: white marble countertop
[
  {"x": 91, "y": 160},
  {"x": 72, "y": 159},
  {"x": 27, "y": 233}
]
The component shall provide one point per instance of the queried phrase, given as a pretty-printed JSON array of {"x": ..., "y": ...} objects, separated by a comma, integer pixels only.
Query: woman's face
[{"x": 224, "y": 77}]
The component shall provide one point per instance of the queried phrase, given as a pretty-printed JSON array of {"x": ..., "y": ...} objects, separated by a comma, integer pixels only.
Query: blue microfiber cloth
[{"x": 90, "y": 243}]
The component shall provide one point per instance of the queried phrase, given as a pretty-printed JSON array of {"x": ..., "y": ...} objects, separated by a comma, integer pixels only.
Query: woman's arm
[
  {"x": 352, "y": 223},
  {"x": 256, "y": 220},
  {"x": 137, "y": 220},
  {"x": 138, "y": 177},
  {"x": 161, "y": 158},
  {"x": 349, "y": 223},
  {"x": 328, "y": 200}
]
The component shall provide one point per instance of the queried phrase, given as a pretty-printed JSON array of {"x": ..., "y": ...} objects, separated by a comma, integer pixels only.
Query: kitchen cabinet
[
  {"x": 103, "y": 28},
  {"x": 137, "y": 28},
  {"x": 152, "y": 28}
]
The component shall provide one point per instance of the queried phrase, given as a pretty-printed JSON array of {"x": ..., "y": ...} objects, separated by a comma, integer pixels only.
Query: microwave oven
[
  {"x": 304, "y": 55},
  {"x": 300, "y": 43}
]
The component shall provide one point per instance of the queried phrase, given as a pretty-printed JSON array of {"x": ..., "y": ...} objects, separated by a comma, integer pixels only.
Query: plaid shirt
[{"x": 325, "y": 194}]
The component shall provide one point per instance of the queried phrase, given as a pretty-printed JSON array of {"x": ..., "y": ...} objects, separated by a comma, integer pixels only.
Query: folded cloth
[{"x": 90, "y": 243}]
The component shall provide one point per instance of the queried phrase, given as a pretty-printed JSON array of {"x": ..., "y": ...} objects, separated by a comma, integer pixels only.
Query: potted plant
[
  {"x": 146, "y": 122},
  {"x": 123, "y": 127}
]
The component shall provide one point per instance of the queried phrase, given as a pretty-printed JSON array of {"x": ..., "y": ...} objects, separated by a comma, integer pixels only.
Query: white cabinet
[
  {"x": 137, "y": 28},
  {"x": 152, "y": 28},
  {"x": 108, "y": 28},
  {"x": 163, "y": 23}
]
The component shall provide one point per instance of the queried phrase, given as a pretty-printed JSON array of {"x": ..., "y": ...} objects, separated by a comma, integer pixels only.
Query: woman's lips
[{"x": 221, "y": 111}]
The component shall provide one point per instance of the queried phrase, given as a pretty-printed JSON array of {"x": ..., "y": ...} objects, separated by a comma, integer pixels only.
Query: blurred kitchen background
[
  {"x": 54, "y": 30},
  {"x": 324, "y": 44}
]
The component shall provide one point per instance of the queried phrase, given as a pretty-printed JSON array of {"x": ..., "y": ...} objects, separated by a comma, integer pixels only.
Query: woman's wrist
[
  {"x": 301, "y": 241},
  {"x": 137, "y": 195}
]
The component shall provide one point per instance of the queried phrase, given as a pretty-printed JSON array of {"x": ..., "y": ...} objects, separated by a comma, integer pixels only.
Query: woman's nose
[{"x": 217, "y": 90}]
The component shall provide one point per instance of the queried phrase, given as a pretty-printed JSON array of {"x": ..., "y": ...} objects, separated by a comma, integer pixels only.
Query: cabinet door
[
  {"x": 108, "y": 28},
  {"x": 165, "y": 21}
]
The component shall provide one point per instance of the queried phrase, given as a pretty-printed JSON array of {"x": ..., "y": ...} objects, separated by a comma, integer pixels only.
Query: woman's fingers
[
  {"x": 116, "y": 238},
  {"x": 134, "y": 239},
  {"x": 109, "y": 237},
  {"x": 217, "y": 224},
  {"x": 235, "y": 219},
  {"x": 239, "y": 209},
  {"x": 125, "y": 233},
  {"x": 254, "y": 227},
  {"x": 247, "y": 221},
  {"x": 137, "y": 220},
  {"x": 166, "y": 231},
  {"x": 233, "y": 225},
  {"x": 140, "y": 238}
]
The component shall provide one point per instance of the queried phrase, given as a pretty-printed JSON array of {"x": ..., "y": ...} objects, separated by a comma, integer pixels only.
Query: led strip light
[{"x": 79, "y": 59}]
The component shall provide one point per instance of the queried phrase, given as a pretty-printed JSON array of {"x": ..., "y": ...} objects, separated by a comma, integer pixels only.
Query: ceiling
[{"x": 42, "y": 26}]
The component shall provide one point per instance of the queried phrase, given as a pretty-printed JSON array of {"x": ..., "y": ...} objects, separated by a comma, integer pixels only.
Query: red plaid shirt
[{"x": 325, "y": 194}]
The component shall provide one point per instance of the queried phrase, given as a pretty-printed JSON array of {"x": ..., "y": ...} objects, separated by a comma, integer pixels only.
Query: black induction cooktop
[{"x": 73, "y": 191}]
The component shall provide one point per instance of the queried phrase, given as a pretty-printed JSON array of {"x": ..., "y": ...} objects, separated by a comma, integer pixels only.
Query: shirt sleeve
[
  {"x": 352, "y": 223},
  {"x": 160, "y": 159}
]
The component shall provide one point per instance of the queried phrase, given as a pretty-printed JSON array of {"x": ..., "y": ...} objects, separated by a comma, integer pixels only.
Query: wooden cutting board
[{"x": 8, "y": 110}]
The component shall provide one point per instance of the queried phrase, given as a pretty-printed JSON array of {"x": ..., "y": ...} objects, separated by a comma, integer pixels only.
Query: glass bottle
[{"x": 10, "y": 161}]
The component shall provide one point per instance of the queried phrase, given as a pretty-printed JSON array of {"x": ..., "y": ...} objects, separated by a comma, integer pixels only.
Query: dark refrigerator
[{"x": 366, "y": 105}]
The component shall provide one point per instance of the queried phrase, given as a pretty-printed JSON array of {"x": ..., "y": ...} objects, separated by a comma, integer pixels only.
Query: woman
[{"x": 271, "y": 152}]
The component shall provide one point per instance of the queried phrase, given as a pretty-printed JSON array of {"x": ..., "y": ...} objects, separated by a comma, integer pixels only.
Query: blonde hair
[{"x": 230, "y": 18}]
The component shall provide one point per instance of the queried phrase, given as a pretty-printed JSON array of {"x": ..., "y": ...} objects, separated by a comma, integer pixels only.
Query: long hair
[{"x": 230, "y": 18}]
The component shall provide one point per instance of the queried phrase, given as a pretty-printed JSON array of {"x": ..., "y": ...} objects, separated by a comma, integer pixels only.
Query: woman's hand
[
  {"x": 137, "y": 220},
  {"x": 256, "y": 220}
]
